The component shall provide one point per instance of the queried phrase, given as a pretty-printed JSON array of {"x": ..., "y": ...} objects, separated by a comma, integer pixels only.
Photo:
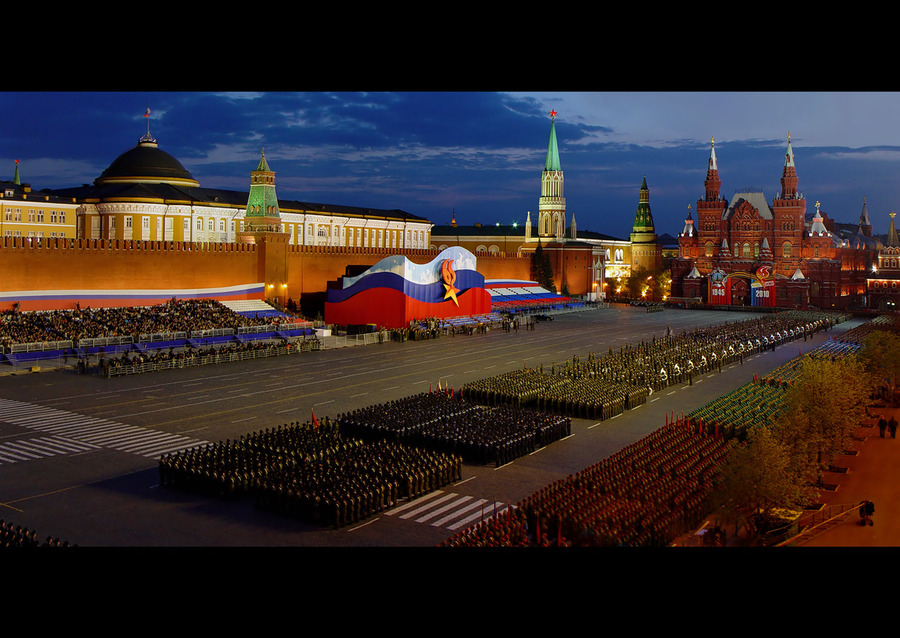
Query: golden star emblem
[
  {"x": 451, "y": 293},
  {"x": 449, "y": 278}
]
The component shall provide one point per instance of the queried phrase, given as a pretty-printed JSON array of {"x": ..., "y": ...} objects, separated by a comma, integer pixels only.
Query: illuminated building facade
[
  {"x": 147, "y": 194},
  {"x": 884, "y": 278},
  {"x": 34, "y": 215},
  {"x": 748, "y": 251}
]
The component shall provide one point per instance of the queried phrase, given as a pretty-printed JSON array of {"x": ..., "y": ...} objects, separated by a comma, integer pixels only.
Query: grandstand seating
[
  {"x": 513, "y": 296},
  {"x": 253, "y": 308}
]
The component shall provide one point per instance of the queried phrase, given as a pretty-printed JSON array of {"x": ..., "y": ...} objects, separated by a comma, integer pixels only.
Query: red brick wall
[{"x": 125, "y": 265}]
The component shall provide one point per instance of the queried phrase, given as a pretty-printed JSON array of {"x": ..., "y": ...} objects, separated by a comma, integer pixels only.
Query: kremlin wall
[{"x": 59, "y": 273}]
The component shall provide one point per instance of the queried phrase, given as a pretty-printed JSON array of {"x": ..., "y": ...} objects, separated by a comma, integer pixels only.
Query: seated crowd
[{"x": 176, "y": 315}]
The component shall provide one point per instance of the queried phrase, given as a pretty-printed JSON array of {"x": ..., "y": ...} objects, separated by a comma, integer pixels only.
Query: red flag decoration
[
  {"x": 314, "y": 419},
  {"x": 147, "y": 112}
]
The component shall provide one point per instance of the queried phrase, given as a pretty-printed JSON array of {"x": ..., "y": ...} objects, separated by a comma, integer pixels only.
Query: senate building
[{"x": 147, "y": 194}]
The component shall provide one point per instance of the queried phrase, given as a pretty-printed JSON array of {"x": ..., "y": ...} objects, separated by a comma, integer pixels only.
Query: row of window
[
  {"x": 746, "y": 248},
  {"x": 34, "y": 216},
  {"x": 360, "y": 237},
  {"x": 712, "y": 225},
  {"x": 36, "y": 234}
]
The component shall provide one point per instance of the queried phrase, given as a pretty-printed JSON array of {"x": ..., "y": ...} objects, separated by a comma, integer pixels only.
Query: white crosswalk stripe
[
  {"x": 30, "y": 449},
  {"x": 448, "y": 510},
  {"x": 69, "y": 432}
]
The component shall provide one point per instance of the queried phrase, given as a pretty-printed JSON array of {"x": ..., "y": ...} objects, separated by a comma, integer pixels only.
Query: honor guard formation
[
  {"x": 343, "y": 470},
  {"x": 655, "y": 489},
  {"x": 17, "y": 537}
]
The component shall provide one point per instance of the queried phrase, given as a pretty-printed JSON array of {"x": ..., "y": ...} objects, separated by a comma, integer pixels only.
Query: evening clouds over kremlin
[{"x": 477, "y": 155}]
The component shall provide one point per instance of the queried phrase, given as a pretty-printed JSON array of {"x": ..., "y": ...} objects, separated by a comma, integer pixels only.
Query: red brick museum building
[{"x": 753, "y": 252}]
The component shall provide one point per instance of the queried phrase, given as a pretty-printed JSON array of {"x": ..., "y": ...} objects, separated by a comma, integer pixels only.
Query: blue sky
[{"x": 479, "y": 154}]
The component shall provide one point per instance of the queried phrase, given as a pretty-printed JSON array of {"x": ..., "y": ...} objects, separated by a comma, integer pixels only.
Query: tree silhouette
[
  {"x": 881, "y": 357},
  {"x": 542, "y": 269}
]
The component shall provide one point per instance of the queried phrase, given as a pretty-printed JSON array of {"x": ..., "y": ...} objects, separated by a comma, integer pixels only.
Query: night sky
[{"x": 479, "y": 154}]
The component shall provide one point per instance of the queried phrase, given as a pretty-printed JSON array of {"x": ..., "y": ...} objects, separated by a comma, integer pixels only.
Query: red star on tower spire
[{"x": 553, "y": 114}]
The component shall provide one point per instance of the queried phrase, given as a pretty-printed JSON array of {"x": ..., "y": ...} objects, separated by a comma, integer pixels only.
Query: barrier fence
[{"x": 114, "y": 369}]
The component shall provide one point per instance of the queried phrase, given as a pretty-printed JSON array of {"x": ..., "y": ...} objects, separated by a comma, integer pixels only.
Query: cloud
[{"x": 876, "y": 154}]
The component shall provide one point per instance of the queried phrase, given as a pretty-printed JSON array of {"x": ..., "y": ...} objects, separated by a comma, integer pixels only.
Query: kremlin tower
[
  {"x": 552, "y": 203},
  {"x": 645, "y": 249}
]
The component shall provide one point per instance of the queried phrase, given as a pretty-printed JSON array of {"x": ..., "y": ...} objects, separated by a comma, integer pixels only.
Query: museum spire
[
  {"x": 789, "y": 174},
  {"x": 892, "y": 239},
  {"x": 713, "y": 184}
]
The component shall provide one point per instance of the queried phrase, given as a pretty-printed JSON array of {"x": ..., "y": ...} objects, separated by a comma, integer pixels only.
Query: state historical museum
[{"x": 752, "y": 252}]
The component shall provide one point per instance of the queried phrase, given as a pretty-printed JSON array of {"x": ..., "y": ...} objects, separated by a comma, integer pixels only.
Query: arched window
[
  {"x": 786, "y": 249},
  {"x": 746, "y": 250},
  {"x": 709, "y": 249}
]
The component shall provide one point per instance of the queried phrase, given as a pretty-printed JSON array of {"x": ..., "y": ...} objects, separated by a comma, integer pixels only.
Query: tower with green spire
[
  {"x": 552, "y": 203},
  {"x": 262, "y": 226},
  {"x": 645, "y": 248},
  {"x": 262, "y": 203}
]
